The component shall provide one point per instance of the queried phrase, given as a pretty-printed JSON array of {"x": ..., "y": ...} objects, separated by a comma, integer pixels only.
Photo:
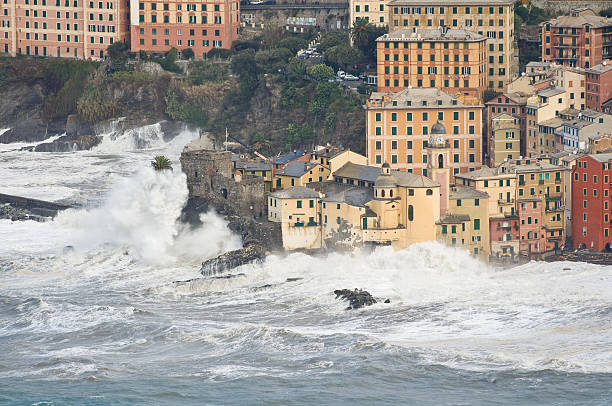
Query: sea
[{"x": 105, "y": 305}]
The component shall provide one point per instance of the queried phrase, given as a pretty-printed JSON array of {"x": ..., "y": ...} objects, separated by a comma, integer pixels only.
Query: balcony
[
  {"x": 505, "y": 201},
  {"x": 558, "y": 181}
]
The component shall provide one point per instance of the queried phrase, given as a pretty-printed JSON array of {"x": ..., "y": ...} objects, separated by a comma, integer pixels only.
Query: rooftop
[
  {"x": 296, "y": 168},
  {"x": 602, "y": 67},
  {"x": 579, "y": 21},
  {"x": 298, "y": 192},
  {"x": 553, "y": 122},
  {"x": 454, "y": 219},
  {"x": 602, "y": 157},
  {"x": 254, "y": 165},
  {"x": 432, "y": 34},
  {"x": 528, "y": 165},
  {"x": 550, "y": 92},
  {"x": 371, "y": 173},
  {"x": 484, "y": 173},
  {"x": 415, "y": 98},
  {"x": 353, "y": 196},
  {"x": 283, "y": 159},
  {"x": 464, "y": 192}
]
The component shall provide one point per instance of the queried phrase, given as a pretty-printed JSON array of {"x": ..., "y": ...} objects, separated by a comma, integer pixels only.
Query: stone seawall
[{"x": 34, "y": 206}]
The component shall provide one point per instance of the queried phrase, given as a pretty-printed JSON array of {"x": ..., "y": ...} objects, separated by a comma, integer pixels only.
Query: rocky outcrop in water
[
  {"x": 68, "y": 143},
  {"x": 357, "y": 298},
  {"x": 9, "y": 212},
  {"x": 233, "y": 259}
]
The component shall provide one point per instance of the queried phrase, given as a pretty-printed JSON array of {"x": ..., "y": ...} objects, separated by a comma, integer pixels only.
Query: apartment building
[
  {"x": 453, "y": 60},
  {"x": 591, "y": 221},
  {"x": 505, "y": 138},
  {"x": 599, "y": 85},
  {"x": 199, "y": 25},
  {"x": 373, "y": 11},
  {"x": 506, "y": 103},
  {"x": 493, "y": 19},
  {"x": 542, "y": 112},
  {"x": 582, "y": 39},
  {"x": 540, "y": 195},
  {"x": 62, "y": 28},
  {"x": 400, "y": 126}
]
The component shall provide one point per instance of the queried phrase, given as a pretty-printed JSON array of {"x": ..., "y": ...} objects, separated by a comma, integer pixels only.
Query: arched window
[
  {"x": 429, "y": 192},
  {"x": 410, "y": 212},
  {"x": 196, "y": 174},
  {"x": 390, "y": 193},
  {"x": 382, "y": 193},
  {"x": 376, "y": 193},
  {"x": 440, "y": 161}
]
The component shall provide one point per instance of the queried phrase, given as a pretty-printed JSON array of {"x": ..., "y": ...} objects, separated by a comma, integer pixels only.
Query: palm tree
[
  {"x": 161, "y": 163},
  {"x": 360, "y": 32}
]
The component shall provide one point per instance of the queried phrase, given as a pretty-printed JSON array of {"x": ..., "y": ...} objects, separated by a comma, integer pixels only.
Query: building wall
[
  {"x": 398, "y": 65},
  {"x": 574, "y": 83},
  {"x": 318, "y": 173},
  {"x": 574, "y": 46},
  {"x": 503, "y": 104},
  {"x": 479, "y": 17},
  {"x": 591, "y": 224},
  {"x": 465, "y": 146},
  {"x": 299, "y": 221},
  {"x": 158, "y": 27},
  {"x": 375, "y": 12},
  {"x": 60, "y": 28},
  {"x": 501, "y": 191},
  {"x": 477, "y": 230},
  {"x": 598, "y": 88},
  {"x": 505, "y": 140},
  {"x": 505, "y": 236},
  {"x": 342, "y": 225},
  {"x": 343, "y": 158},
  {"x": 537, "y": 111},
  {"x": 533, "y": 240}
]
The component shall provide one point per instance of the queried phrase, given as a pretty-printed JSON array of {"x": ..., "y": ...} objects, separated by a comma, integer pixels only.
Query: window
[
  {"x": 299, "y": 204},
  {"x": 476, "y": 224}
]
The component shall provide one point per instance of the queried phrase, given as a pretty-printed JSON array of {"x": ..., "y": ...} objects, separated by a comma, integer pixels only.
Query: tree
[
  {"x": 360, "y": 32},
  {"x": 243, "y": 65},
  {"x": 296, "y": 69},
  {"x": 343, "y": 55},
  {"x": 187, "y": 53},
  {"x": 272, "y": 60},
  {"x": 321, "y": 72},
  {"x": 271, "y": 35},
  {"x": 161, "y": 163},
  {"x": 117, "y": 53},
  {"x": 332, "y": 39},
  {"x": 293, "y": 44}
]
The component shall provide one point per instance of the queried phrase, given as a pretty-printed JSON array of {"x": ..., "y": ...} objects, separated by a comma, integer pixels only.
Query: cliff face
[{"x": 28, "y": 89}]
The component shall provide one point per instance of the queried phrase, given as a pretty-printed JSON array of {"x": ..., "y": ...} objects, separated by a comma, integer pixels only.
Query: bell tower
[{"x": 438, "y": 159}]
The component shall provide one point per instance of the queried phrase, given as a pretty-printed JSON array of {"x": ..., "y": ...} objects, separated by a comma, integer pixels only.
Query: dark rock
[
  {"x": 68, "y": 249},
  {"x": 388, "y": 301},
  {"x": 233, "y": 259},
  {"x": 69, "y": 143},
  {"x": 192, "y": 210},
  {"x": 357, "y": 298},
  {"x": 294, "y": 279}
]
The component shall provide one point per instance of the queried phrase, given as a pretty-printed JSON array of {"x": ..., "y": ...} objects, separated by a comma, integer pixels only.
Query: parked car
[
  {"x": 256, "y": 2},
  {"x": 350, "y": 77},
  {"x": 341, "y": 74}
]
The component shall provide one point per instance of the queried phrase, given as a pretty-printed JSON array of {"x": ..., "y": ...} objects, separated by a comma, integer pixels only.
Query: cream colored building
[
  {"x": 542, "y": 115},
  {"x": 466, "y": 222},
  {"x": 493, "y": 19},
  {"x": 505, "y": 138},
  {"x": 333, "y": 158},
  {"x": 297, "y": 209},
  {"x": 299, "y": 173},
  {"x": 373, "y": 11}
]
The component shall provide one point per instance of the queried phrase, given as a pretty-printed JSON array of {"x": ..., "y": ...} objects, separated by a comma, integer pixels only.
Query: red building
[
  {"x": 599, "y": 85},
  {"x": 504, "y": 233},
  {"x": 513, "y": 104},
  {"x": 199, "y": 25},
  {"x": 533, "y": 237},
  {"x": 591, "y": 202},
  {"x": 582, "y": 39}
]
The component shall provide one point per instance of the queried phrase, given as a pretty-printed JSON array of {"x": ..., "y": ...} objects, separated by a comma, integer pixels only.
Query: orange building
[
  {"x": 62, "y": 28},
  {"x": 453, "y": 60},
  {"x": 197, "y": 24},
  {"x": 399, "y": 129}
]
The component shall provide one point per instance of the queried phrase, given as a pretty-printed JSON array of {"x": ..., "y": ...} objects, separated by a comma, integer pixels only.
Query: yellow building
[
  {"x": 344, "y": 214},
  {"x": 333, "y": 158},
  {"x": 493, "y": 19},
  {"x": 453, "y": 60},
  {"x": 542, "y": 116},
  {"x": 373, "y": 11},
  {"x": 299, "y": 173},
  {"x": 466, "y": 221},
  {"x": 297, "y": 209},
  {"x": 398, "y": 129},
  {"x": 544, "y": 182},
  {"x": 505, "y": 138},
  {"x": 256, "y": 168}
]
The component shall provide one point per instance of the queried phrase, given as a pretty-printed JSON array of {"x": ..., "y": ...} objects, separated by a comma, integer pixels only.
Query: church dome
[
  {"x": 438, "y": 129},
  {"x": 385, "y": 181}
]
